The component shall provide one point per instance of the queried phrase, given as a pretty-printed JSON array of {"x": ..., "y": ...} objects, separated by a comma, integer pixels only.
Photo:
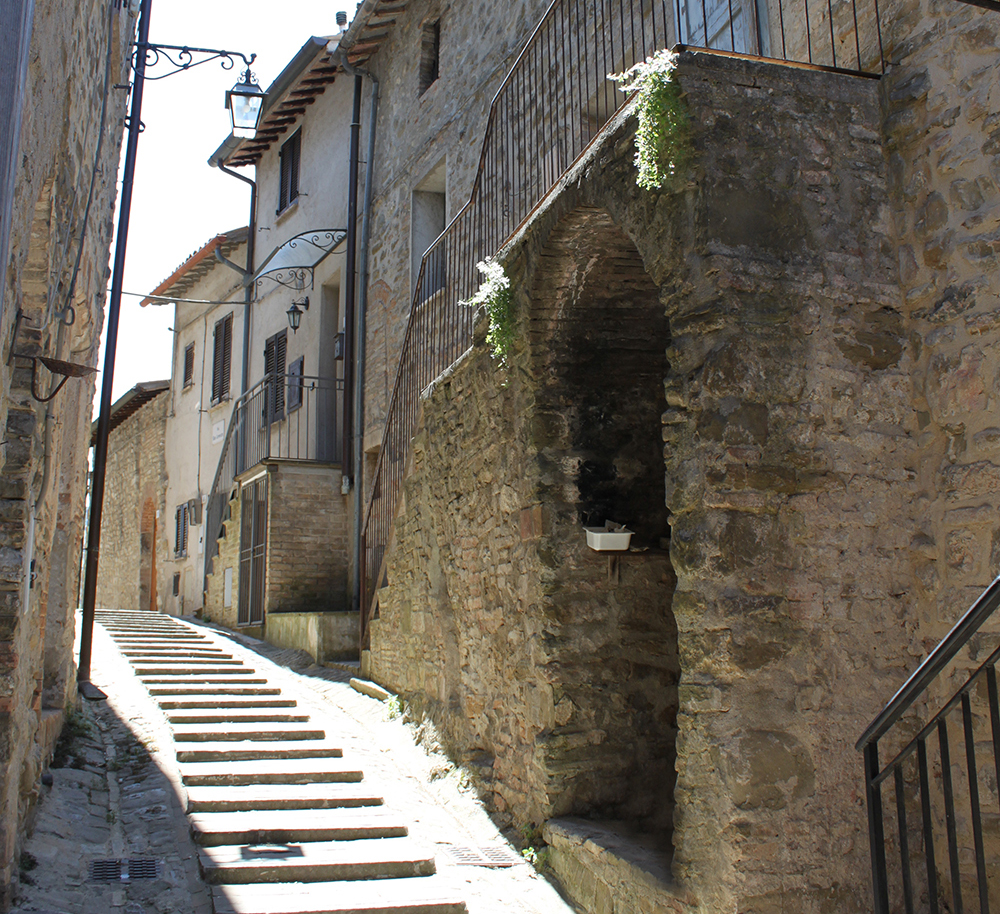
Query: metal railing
[
  {"x": 551, "y": 106},
  {"x": 282, "y": 417},
  {"x": 936, "y": 855}
]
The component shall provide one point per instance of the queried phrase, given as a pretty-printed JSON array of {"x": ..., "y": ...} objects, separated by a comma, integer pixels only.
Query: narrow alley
[{"x": 356, "y": 817}]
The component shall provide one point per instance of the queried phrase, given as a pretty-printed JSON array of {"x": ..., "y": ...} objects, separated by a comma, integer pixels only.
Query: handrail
[
  {"x": 551, "y": 106},
  {"x": 903, "y": 877},
  {"x": 936, "y": 660}
]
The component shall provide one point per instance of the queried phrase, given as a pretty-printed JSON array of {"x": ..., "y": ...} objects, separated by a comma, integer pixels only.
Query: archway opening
[{"x": 599, "y": 337}]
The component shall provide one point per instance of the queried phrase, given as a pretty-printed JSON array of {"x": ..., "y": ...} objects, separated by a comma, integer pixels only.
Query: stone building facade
[
  {"x": 57, "y": 217},
  {"x": 822, "y": 433},
  {"x": 137, "y": 530}
]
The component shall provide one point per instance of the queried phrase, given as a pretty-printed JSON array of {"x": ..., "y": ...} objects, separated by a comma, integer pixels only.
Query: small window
[
  {"x": 288, "y": 160},
  {"x": 177, "y": 583},
  {"x": 181, "y": 530},
  {"x": 430, "y": 55},
  {"x": 274, "y": 368},
  {"x": 295, "y": 371},
  {"x": 222, "y": 359},
  {"x": 189, "y": 366}
]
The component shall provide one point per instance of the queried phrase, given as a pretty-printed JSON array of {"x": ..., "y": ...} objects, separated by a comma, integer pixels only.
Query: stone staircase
[{"x": 283, "y": 822}]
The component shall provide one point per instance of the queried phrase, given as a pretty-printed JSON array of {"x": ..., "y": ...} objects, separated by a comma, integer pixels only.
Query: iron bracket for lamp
[
  {"x": 56, "y": 366},
  {"x": 181, "y": 57}
]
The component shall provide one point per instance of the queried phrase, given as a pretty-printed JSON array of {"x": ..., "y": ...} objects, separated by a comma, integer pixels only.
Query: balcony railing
[
  {"x": 933, "y": 839},
  {"x": 282, "y": 417},
  {"x": 550, "y": 107}
]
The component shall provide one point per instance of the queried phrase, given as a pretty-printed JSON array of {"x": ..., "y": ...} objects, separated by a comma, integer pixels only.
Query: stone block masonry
[
  {"x": 747, "y": 657},
  {"x": 137, "y": 532},
  {"x": 44, "y": 454}
]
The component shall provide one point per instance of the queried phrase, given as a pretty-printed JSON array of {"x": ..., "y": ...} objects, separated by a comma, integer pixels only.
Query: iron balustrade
[
  {"x": 282, "y": 417},
  {"x": 552, "y": 105},
  {"x": 936, "y": 860}
]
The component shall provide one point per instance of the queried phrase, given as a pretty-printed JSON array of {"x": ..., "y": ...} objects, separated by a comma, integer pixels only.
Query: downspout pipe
[
  {"x": 362, "y": 320},
  {"x": 249, "y": 286},
  {"x": 350, "y": 286}
]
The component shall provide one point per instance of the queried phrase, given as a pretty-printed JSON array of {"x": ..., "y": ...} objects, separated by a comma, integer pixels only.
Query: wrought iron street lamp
[
  {"x": 146, "y": 55},
  {"x": 245, "y": 101},
  {"x": 295, "y": 313}
]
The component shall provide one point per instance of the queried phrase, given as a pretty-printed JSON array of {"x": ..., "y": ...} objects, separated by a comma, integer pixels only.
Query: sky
[{"x": 178, "y": 201}]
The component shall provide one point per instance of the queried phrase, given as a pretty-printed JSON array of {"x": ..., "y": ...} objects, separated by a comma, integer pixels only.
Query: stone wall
[
  {"x": 137, "y": 531},
  {"x": 44, "y": 459},
  {"x": 417, "y": 132},
  {"x": 788, "y": 430},
  {"x": 227, "y": 561},
  {"x": 307, "y": 547}
]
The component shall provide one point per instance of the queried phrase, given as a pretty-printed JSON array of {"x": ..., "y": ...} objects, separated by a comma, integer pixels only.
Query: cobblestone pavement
[{"x": 119, "y": 795}]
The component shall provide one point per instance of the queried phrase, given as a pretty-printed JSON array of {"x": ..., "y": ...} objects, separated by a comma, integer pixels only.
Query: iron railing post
[{"x": 876, "y": 830}]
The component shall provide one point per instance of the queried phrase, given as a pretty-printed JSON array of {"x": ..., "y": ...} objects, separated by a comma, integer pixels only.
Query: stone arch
[{"x": 598, "y": 337}]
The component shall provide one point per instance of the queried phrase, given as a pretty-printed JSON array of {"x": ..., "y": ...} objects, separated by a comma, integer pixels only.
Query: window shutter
[
  {"x": 295, "y": 372},
  {"x": 227, "y": 355},
  {"x": 280, "y": 350},
  {"x": 189, "y": 365},
  {"x": 293, "y": 168}
]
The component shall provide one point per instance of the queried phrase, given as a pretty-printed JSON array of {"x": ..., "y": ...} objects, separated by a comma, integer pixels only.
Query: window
[
  {"x": 288, "y": 161},
  {"x": 428, "y": 211},
  {"x": 189, "y": 366},
  {"x": 222, "y": 359},
  {"x": 274, "y": 368},
  {"x": 295, "y": 371},
  {"x": 181, "y": 530},
  {"x": 177, "y": 583},
  {"x": 430, "y": 55}
]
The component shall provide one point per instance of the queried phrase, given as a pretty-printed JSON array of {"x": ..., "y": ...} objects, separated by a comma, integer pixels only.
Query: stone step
[
  {"x": 157, "y": 656},
  {"x": 283, "y": 826},
  {"x": 280, "y": 796},
  {"x": 414, "y": 895},
  {"x": 190, "y": 669},
  {"x": 204, "y": 733},
  {"x": 236, "y": 678},
  {"x": 269, "y": 771},
  {"x": 237, "y": 716},
  {"x": 235, "y": 752},
  {"x": 177, "y": 638},
  {"x": 184, "y": 660},
  {"x": 314, "y": 861},
  {"x": 195, "y": 689},
  {"x": 191, "y": 704}
]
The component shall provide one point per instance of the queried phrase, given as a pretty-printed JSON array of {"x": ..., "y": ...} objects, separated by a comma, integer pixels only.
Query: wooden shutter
[
  {"x": 181, "y": 529},
  {"x": 189, "y": 365},
  {"x": 295, "y": 372},
  {"x": 222, "y": 358},
  {"x": 288, "y": 167},
  {"x": 227, "y": 354},
  {"x": 275, "y": 349}
]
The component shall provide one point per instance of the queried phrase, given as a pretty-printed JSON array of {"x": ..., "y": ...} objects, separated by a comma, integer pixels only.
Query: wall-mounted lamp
[
  {"x": 295, "y": 313},
  {"x": 244, "y": 102}
]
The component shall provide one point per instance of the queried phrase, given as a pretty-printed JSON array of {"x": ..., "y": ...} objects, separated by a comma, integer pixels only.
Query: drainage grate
[
  {"x": 493, "y": 855},
  {"x": 123, "y": 870}
]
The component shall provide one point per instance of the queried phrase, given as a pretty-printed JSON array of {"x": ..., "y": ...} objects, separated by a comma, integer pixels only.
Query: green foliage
[
  {"x": 662, "y": 141},
  {"x": 393, "y": 707},
  {"x": 494, "y": 294}
]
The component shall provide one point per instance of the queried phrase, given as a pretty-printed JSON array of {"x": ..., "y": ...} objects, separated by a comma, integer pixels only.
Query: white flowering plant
[
  {"x": 494, "y": 295},
  {"x": 662, "y": 141}
]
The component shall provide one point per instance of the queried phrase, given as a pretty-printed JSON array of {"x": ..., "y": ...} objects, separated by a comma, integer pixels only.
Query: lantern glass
[
  {"x": 294, "y": 317},
  {"x": 245, "y": 101}
]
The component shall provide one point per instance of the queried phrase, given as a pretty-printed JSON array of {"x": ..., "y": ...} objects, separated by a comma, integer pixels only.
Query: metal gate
[{"x": 253, "y": 550}]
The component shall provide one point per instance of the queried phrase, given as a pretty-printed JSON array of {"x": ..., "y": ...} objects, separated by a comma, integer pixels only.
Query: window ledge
[{"x": 282, "y": 214}]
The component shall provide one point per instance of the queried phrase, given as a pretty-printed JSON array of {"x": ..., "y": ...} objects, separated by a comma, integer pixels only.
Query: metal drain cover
[
  {"x": 123, "y": 870},
  {"x": 492, "y": 855}
]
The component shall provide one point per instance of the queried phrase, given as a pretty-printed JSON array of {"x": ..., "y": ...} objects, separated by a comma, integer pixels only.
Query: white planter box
[{"x": 601, "y": 540}]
